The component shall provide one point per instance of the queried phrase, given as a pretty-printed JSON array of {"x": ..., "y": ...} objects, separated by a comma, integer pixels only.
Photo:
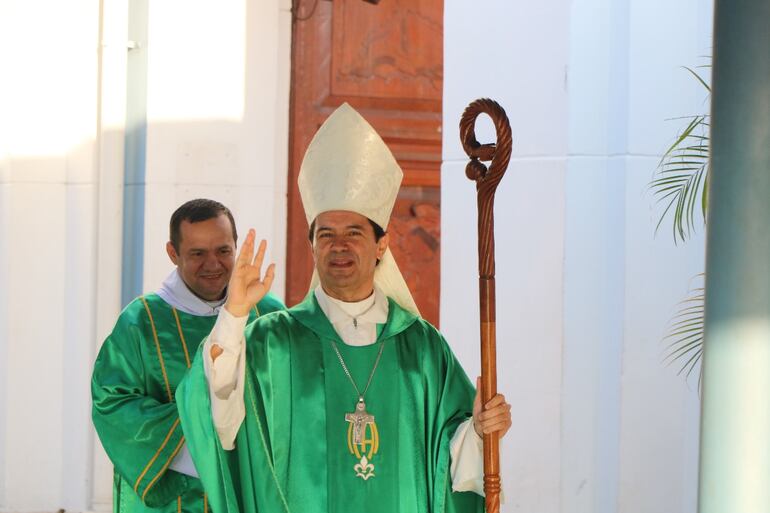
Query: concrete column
[{"x": 735, "y": 424}]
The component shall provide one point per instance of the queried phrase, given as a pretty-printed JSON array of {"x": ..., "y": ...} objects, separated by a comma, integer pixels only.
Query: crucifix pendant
[{"x": 360, "y": 418}]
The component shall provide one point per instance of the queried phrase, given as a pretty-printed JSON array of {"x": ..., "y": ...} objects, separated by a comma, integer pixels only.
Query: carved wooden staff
[{"x": 486, "y": 184}]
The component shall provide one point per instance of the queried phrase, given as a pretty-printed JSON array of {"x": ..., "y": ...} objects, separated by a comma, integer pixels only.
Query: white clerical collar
[
  {"x": 175, "y": 292},
  {"x": 355, "y": 323}
]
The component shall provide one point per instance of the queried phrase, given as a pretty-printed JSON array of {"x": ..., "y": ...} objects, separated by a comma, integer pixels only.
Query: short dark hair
[
  {"x": 378, "y": 231},
  {"x": 195, "y": 211}
]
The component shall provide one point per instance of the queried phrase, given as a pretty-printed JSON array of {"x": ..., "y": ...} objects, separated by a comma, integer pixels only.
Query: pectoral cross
[{"x": 360, "y": 419}]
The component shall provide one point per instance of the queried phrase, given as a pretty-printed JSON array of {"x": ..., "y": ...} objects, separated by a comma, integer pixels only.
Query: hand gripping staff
[{"x": 487, "y": 180}]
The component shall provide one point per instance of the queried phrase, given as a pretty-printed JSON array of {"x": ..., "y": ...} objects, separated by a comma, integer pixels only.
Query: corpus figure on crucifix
[{"x": 359, "y": 419}]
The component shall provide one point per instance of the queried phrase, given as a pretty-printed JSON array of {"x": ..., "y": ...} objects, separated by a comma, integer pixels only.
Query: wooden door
[{"x": 386, "y": 60}]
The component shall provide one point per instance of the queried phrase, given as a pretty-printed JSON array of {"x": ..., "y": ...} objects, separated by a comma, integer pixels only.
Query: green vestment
[
  {"x": 135, "y": 376},
  {"x": 293, "y": 451}
]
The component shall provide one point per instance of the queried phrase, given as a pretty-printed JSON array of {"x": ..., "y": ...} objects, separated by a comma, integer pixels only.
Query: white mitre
[{"x": 348, "y": 167}]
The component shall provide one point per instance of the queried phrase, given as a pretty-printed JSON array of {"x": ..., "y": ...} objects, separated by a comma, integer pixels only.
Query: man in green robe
[
  {"x": 145, "y": 357},
  {"x": 348, "y": 401}
]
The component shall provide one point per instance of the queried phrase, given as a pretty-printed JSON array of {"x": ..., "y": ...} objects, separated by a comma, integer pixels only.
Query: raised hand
[
  {"x": 247, "y": 285},
  {"x": 496, "y": 417}
]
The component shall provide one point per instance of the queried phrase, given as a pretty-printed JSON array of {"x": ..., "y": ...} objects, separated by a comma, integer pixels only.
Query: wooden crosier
[{"x": 487, "y": 180}]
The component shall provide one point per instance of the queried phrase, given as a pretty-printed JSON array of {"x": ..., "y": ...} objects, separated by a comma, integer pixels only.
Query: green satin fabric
[
  {"x": 292, "y": 450},
  {"x": 134, "y": 412}
]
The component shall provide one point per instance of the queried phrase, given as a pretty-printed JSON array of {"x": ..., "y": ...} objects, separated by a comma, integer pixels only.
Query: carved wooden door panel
[{"x": 385, "y": 60}]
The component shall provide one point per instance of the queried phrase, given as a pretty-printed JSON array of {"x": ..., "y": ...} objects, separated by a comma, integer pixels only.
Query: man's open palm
[{"x": 247, "y": 285}]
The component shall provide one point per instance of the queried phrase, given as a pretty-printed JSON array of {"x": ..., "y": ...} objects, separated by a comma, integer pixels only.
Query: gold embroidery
[
  {"x": 149, "y": 465},
  {"x": 365, "y": 450},
  {"x": 162, "y": 470},
  {"x": 181, "y": 337},
  {"x": 157, "y": 346}
]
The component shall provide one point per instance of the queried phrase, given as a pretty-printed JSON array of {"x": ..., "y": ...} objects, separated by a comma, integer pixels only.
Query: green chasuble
[
  {"x": 296, "y": 450},
  {"x": 135, "y": 376}
]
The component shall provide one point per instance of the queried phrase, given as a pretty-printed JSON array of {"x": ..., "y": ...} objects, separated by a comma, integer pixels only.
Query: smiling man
[
  {"x": 345, "y": 268},
  {"x": 202, "y": 248},
  {"x": 349, "y": 401},
  {"x": 142, "y": 361}
]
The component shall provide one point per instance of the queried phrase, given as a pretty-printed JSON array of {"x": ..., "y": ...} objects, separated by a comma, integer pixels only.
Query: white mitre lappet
[{"x": 348, "y": 167}]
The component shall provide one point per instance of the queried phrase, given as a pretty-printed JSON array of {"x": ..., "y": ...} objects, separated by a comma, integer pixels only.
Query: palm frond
[
  {"x": 698, "y": 77},
  {"x": 681, "y": 181},
  {"x": 682, "y": 191},
  {"x": 685, "y": 336}
]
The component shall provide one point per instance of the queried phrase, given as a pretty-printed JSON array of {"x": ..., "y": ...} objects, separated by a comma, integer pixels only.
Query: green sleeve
[
  {"x": 140, "y": 433},
  {"x": 455, "y": 405},
  {"x": 214, "y": 464},
  {"x": 242, "y": 480}
]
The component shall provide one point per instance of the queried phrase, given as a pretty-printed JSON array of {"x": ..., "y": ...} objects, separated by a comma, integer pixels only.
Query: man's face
[
  {"x": 206, "y": 256},
  {"x": 345, "y": 254}
]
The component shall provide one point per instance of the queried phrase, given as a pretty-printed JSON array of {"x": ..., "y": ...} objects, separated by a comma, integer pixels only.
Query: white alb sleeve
[
  {"x": 183, "y": 462},
  {"x": 467, "y": 459},
  {"x": 226, "y": 375}
]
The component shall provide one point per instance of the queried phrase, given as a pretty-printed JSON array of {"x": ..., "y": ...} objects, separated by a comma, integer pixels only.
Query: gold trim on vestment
[
  {"x": 376, "y": 443},
  {"x": 157, "y": 346},
  {"x": 162, "y": 470},
  {"x": 179, "y": 504},
  {"x": 181, "y": 337},
  {"x": 205, "y": 503},
  {"x": 364, "y": 468},
  {"x": 149, "y": 465}
]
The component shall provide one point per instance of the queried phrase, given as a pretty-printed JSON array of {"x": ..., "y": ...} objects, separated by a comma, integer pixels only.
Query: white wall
[
  {"x": 217, "y": 94},
  {"x": 518, "y": 57},
  {"x": 48, "y": 113},
  {"x": 585, "y": 288},
  {"x": 217, "y": 111}
]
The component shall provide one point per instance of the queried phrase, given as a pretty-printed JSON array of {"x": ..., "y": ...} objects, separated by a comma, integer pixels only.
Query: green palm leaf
[
  {"x": 681, "y": 182},
  {"x": 685, "y": 337},
  {"x": 681, "y": 185}
]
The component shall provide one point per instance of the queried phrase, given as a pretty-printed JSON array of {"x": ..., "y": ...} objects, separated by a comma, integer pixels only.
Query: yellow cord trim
[
  {"x": 376, "y": 445},
  {"x": 149, "y": 465},
  {"x": 162, "y": 470},
  {"x": 179, "y": 504},
  {"x": 181, "y": 337},
  {"x": 205, "y": 503},
  {"x": 157, "y": 346}
]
